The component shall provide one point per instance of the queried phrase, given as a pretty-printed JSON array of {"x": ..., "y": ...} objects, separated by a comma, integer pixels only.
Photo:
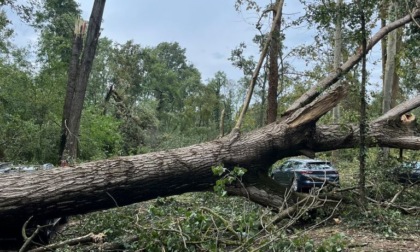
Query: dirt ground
[{"x": 365, "y": 240}]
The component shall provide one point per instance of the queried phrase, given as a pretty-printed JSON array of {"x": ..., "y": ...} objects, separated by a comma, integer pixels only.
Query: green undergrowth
[
  {"x": 189, "y": 222},
  {"x": 208, "y": 222}
]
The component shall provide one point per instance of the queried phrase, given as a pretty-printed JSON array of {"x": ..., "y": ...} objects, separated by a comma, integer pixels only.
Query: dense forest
[{"x": 168, "y": 151}]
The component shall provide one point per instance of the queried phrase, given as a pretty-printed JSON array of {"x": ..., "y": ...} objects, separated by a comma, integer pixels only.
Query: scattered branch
[
  {"x": 95, "y": 238},
  {"x": 227, "y": 224},
  {"x": 31, "y": 238}
]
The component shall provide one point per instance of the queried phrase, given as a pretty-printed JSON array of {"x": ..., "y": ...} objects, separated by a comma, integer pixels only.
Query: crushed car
[{"x": 301, "y": 175}]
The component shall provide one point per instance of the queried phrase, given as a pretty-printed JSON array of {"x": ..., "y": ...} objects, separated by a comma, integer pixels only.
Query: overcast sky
[{"x": 208, "y": 29}]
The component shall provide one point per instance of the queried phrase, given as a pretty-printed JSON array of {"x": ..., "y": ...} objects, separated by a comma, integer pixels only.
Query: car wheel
[{"x": 294, "y": 187}]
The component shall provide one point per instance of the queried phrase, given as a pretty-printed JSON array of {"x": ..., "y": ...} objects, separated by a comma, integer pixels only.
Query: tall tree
[
  {"x": 390, "y": 80},
  {"x": 79, "y": 71},
  {"x": 363, "y": 104},
  {"x": 273, "y": 77},
  {"x": 338, "y": 54},
  {"x": 390, "y": 64}
]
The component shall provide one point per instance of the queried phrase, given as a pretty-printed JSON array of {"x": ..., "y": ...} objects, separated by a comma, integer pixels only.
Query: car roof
[{"x": 307, "y": 160}]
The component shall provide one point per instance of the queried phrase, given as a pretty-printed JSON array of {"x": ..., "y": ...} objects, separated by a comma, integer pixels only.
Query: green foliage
[
  {"x": 410, "y": 57},
  {"x": 227, "y": 177},
  {"x": 335, "y": 243},
  {"x": 28, "y": 129},
  {"x": 100, "y": 137},
  {"x": 55, "y": 19},
  {"x": 164, "y": 104},
  {"x": 190, "y": 222},
  {"x": 5, "y": 33},
  {"x": 387, "y": 223}
]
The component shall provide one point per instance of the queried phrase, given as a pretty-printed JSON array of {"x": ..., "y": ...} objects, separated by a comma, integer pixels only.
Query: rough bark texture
[
  {"x": 338, "y": 41},
  {"x": 73, "y": 111},
  {"x": 391, "y": 52},
  {"x": 71, "y": 83},
  {"x": 363, "y": 114},
  {"x": 273, "y": 77},
  {"x": 125, "y": 180}
]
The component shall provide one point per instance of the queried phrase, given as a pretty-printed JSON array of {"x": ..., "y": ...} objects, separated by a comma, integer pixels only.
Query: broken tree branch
[
  {"x": 316, "y": 90},
  {"x": 396, "y": 112},
  {"x": 257, "y": 69},
  {"x": 82, "y": 239}
]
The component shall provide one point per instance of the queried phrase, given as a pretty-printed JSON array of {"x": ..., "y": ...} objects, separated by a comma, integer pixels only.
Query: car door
[
  {"x": 281, "y": 175},
  {"x": 289, "y": 172}
]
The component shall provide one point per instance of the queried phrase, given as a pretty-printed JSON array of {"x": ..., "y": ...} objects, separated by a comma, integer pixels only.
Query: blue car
[
  {"x": 304, "y": 174},
  {"x": 408, "y": 173}
]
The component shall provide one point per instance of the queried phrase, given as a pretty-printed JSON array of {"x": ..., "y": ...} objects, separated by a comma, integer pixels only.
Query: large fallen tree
[{"x": 125, "y": 180}]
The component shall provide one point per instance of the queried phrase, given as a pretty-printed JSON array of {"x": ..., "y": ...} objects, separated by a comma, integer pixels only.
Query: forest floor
[
  {"x": 375, "y": 230},
  {"x": 366, "y": 240}
]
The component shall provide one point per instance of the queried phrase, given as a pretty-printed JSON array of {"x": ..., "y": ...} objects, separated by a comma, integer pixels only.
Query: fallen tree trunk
[{"x": 125, "y": 180}]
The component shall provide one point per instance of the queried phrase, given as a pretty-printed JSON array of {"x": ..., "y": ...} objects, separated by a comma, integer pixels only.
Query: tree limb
[
  {"x": 397, "y": 111},
  {"x": 82, "y": 239},
  {"x": 312, "y": 93},
  {"x": 257, "y": 69}
]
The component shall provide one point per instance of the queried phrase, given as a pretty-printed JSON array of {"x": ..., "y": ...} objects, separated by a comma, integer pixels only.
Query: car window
[
  {"x": 411, "y": 165},
  {"x": 286, "y": 165},
  {"x": 298, "y": 165},
  {"x": 319, "y": 165}
]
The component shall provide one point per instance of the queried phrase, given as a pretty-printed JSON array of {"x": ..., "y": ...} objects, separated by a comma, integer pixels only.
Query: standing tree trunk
[
  {"x": 79, "y": 71},
  {"x": 273, "y": 77},
  {"x": 363, "y": 117},
  {"x": 383, "y": 14},
  {"x": 391, "y": 50},
  {"x": 390, "y": 69},
  {"x": 338, "y": 41},
  {"x": 79, "y": 32}
]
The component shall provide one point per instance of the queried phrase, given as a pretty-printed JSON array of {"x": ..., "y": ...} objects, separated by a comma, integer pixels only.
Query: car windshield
[
  {"x": 319, "y": 165},
  {"x": 411, "y": 165}
]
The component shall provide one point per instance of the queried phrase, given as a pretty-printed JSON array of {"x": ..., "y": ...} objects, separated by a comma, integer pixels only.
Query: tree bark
[
  {"x": 338, "y": 55},
  {"x": 391, "y": 51},
  {"x": 71, "y": 84},
  {"x": 273, "y": 77},
  {"x": 338, "y": 41},
  {"x": 79, "y": 75},
  {"x": 125, "y": 180},
  {"x": 363, "y": 115},
  {"x": 390, "y": 82}
]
